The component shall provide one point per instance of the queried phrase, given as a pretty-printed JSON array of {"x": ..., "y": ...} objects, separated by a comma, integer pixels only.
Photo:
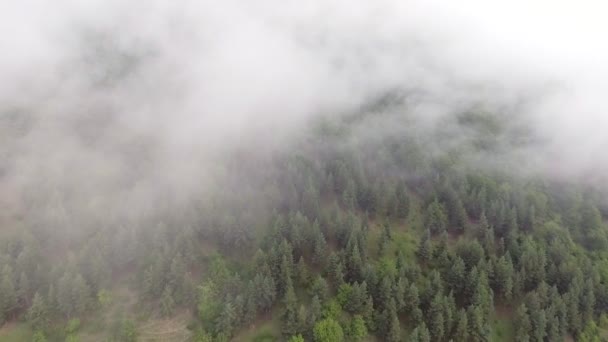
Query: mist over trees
[
  {"x": 302, "y": 172},
  {"x": 339, "y": 237}
]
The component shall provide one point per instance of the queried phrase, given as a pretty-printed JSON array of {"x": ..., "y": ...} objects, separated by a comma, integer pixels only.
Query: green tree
[
  {"x": 328, "y": 330},
  {"x": 208, "y": 306},
  {"x": 462, "y": 327},
  {"x": 37, "y": 314},
  {"x": 478, "y": 328},
  {"x": 436, "y": 219},
  {"x": 522, "y": 324},
  {"x": 537, "y": 317},
  {"x": 23, "y": 290},
  {"x": 425, "y": 248},
  {"x": 320, "y": 288},
  {"x": 302, "y": 272},
  {"x": 412, "y": 304},
  {"x": 126, "y": 331},
  {"x": 420, "y": 334},
  {"x": 456, "y": 275},
  {"x": 357, "y": 330},
  {"x": 8, "y": 295},
  {"x": 296, "y": 338},
  {"x": 503, "y": 277},
  {"x": 289, "y": 317},
  {"x": 225, "y": 323},
  {"x": 401, "y": 204},
  {"x": 167, "y": 304},
  {"x": 393, "y": 333},
  {"x": 590, "y": 333},
  {"x": 39, "y": 337},
  {"x": 316, "y": 310},
  {"x": 81, "y": 293},
  {"x": 319, "y": 247},
  {"x": 368, "y": 314},
  {"x": 303, "y": 322},
  {"x": 72, "y": 327},
  {"x": 436, "y": 319}
]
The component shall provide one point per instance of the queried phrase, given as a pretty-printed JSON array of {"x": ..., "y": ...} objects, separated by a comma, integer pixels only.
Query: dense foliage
[{"x": 346, "y": 237}]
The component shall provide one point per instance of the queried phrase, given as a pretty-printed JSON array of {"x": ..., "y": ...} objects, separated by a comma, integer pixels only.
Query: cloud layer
[{"x": 113, "y": 103}]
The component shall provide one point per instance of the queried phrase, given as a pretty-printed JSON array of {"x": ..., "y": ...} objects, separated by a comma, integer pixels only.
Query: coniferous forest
[
  {"x": 303, "y": 171},
  {"x": 401, "y": 235}
]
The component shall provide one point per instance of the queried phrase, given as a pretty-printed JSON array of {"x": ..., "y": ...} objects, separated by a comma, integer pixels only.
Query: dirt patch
[
  {"x": 172, "y": 329},
  {"x": 7, "y": 327}
]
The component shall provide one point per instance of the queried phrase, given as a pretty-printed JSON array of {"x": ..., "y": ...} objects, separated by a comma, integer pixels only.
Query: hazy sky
[{"x": 143, "y": 92}]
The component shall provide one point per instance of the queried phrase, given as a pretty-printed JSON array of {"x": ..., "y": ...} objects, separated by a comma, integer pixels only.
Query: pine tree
[
  {"x": 412, "y": 304},
  {"x": 393, "y": 328},
  {"x": 8, "y": 295},
  {"x": 64, "y": 295},
  {"x": 436, "y": 319},
  {"x": 483, "y": 296},
  {"x": 522, "y": 324},
  {"x": 420, "y": 334},
  {"x": 37, "y": 314},
  {"x": 319, "y": 247},
  {"x": 588, "y": 301},
  {"x": 402, "y": 201},
  {"x": 315, "y": 311},
  {"x": 320, "y": 288},
  {"x": 251, "y": 308},
  {"x": 553, "y": 329},
  {"x": 302, "y": 272},
  {"x": 460, "y": 216},
  {"x": 355, "y": 264},
  {"x": 303, "y": 323},
  {"x": 167, "y": 304},
  {"x": 575, "y": 321},
  {"x": 81, "y": 294},
  {"x": 289, "y": 317},
  {"x": 436, "y": 219},
  {"x": 425, "y": 248},
  {"x": 51, "y": 300},
  {"x": 449, "y": 313},
  {"x": 285, "y": 279},
  {"x": 358, "y": 330},
  {"x": 23, "y": 290},
  {"x": 503, "y": 277},
  {"x": 336, "y": 269},
  {"x": 225, "y": 323},
  {"x": 482, "y": 227},
  {"x": 462, "y": 327},
  {"x": 537, "y": 317},
  {"x": 399, "y": 289},
  {"x": 478, "y": 328},
  {"x": 456, "y": 275},
  {"x": 177, "y": 274},
  {"x": 488, "y": 241}
]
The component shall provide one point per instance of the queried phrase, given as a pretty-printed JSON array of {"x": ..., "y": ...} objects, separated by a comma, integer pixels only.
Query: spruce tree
[{"x": 37, "y": 314}]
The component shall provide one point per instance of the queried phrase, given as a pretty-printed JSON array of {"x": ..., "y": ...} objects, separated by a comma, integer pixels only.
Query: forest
[{"x": 401, "y": 234}]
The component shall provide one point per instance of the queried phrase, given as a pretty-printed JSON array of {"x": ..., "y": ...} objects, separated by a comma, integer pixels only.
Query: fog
[{"x": 111, "y": 106}]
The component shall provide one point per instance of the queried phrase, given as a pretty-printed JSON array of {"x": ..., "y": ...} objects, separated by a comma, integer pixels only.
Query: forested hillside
[{"x": 366, "y": 227}]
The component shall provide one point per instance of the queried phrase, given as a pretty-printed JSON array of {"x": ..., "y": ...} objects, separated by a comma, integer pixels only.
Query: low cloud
[{"x": 111, "y": 106}]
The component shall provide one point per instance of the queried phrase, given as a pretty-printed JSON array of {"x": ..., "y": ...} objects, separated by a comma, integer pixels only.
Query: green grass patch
[
  {"x": 16, "y": 332},
  {"x": 502, "y": 329},
  {"x": 263, "y": 331}
]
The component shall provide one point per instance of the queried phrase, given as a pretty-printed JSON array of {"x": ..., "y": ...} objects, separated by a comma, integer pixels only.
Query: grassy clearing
[
  {"x": 502, "y": 329},
  {"x": 15, "y": 332},
  {"x": 169, "y": 329},
  {"x": 265, "y": 330}
]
